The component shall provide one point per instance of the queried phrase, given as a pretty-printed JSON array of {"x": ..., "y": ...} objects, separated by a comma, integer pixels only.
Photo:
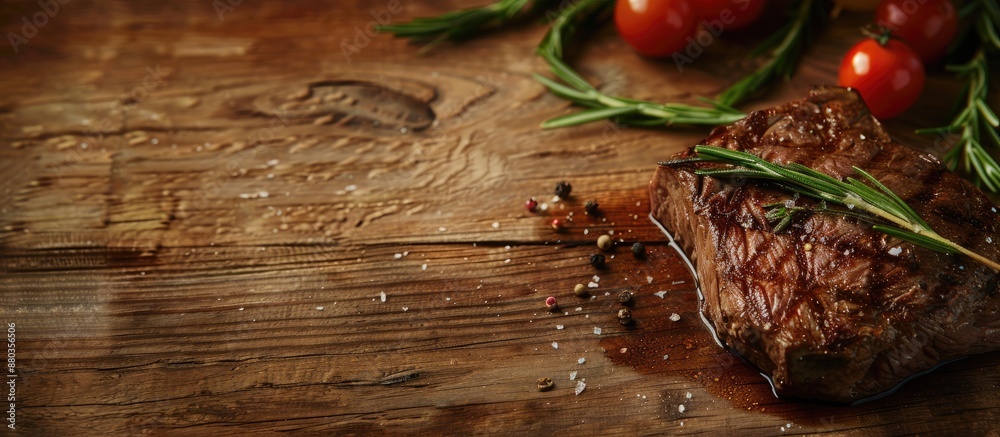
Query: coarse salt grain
[
  {"x": 382, "y": 296},
  {"x": 688, "y": 395},
  {"x": 895, "y": 251},
  {"x": 666, "y": 357},
  {"x": 572, "y": 375},
  {"x": 496, "y": 225},
  {"x": 592, "y": 285},
  {"x": 560, "y": 327},
  {"x": 649, "y": 279},
  {"x": 423, "y": 267},
  {"x": 677, "y": 282},
  {"x": 555, "y": 345},
  {"x": 397, "y": 256},
  {"x": 580, "y": 387},
  {"x": 660, "y": 294},
  {"x": 680, "y": 408},
  {"x": 597, "y": 330},
  {"x": 597, "y": 278},
  {"x": 405, "y": 309},
  {"x": 319, "y": 308},
  {"x": 581, "y": 360},
  {"x": 675, "y": 317}
]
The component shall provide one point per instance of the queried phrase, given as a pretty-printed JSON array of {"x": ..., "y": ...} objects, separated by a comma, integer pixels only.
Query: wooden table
[{"x": 218, "y": 220}]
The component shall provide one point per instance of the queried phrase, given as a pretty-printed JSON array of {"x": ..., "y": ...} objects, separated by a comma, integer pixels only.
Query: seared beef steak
[{"x": 829, "y": 308}]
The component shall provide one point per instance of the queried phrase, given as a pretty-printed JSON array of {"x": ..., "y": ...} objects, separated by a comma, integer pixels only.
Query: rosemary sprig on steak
[{"x": 899, "y": 220}]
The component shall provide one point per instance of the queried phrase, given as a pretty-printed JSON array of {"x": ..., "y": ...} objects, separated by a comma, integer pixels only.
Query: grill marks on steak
[{"x": 829, "y": 308}]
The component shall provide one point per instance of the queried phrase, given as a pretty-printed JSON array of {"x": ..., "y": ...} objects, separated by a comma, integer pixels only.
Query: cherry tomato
[
  {"x": 655, "y": 27},
  {"x": 889, "y": 77},
  {"x": 733, "y": 14},
  {"x": 927, "y": 26}
]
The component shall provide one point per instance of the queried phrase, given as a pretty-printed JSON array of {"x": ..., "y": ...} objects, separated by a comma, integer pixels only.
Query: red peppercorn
[
  {"x": 550, "y": 303},
  {"x": 531, "y": 204},
  {"x": 557, "y": 225}
]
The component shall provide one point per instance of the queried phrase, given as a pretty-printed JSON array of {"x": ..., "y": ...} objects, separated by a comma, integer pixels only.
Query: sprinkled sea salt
[
  {"x": 572, "y": 375},
  {"x": 560, "y": 327},
  {"x": 688, "y": 395},
  {"x": 555, "y": 345},
  {"x": 649, "y": 279},
  {"x": 580, "y": 386},
  {"x": 581, "y": 360},
  {"x": 675, "y": 317},
  {"x": 597, "y": 330},
  {"x": 381, "y": 296},
  {"x": 397, "y": 256},
  {"x": 423, "y": 267},
  {"x": 660, "y": 294},
  {"x": 895, "y": 251},
  {"x": 677, "y": 282},
  {"x": 680, "y": 408},
  {"x": 597, "y": 278},
  {"x": 319, "y": 308},
  {"x": 666, "y": 357},
  {"x": 592, "y": 285}
]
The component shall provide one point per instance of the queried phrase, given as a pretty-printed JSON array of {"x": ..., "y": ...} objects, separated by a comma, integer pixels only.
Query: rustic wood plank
[{"x": 165, "y": 246}]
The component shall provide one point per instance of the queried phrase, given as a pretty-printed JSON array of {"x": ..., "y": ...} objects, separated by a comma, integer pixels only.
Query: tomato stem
[{"x": 880, "y": 34}]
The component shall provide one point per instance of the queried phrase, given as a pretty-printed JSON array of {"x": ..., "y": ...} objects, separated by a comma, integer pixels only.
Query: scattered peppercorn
[
  {"x": 597, "y": 260},
  {"x": 580, "y": 290},
  {"x": 545, "y": 384},
  {"x": 563, "y": 189},
  {"x": 531, "y": 204},
  {"x": 557, "y": 225},
  {"x": 550, "y": 303},
  {"x": 604, "y": 242},
  {"x": 624, "y": 316},
  {"x": 638, "y": 250},
  {"x": 625, "y": 297},
  {"x": 591, "y": 207}
]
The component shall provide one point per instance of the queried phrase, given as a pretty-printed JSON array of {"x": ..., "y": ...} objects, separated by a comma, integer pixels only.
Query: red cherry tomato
[
  {"x": 733, "y": 14},
  {"x": 927, "y": 26},
  {"x": 655, "y": 27},
  {"x": 889, "y": 78}
]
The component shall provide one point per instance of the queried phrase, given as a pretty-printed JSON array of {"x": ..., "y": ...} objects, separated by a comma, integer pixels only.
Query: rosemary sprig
[
  {"x": 785, "y": 46},
  {"x": 457, "y": 25},
  {"x": 624, "y": 110},
  {"x": 976, "y": 123},
  {"x": 872, "y": 197}
]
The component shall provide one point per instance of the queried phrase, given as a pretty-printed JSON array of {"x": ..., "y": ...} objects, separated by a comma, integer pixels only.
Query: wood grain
[{"x": 198, "y": 216}]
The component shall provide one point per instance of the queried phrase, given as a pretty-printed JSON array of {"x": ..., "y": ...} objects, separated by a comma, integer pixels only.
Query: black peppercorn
[
  {"x": 624, "y": 316},
  {"x": 625, "y": 297},
  {"x": 639, "y": 250},
  {"x": 563, "y": 189},
  {"x": 591, "y": 207},
  {"x": 597, "y": 260}
]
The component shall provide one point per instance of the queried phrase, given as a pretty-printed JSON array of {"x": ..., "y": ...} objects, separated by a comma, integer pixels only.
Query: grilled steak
[{"x": 829, "y": 308}]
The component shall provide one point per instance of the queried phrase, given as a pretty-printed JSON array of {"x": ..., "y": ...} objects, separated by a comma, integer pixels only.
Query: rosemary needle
[{"x": 872, "y": 197}]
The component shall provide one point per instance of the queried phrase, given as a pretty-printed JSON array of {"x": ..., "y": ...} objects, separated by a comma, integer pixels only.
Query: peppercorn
[
  {"x": 545, "y": 384},
  {"x": 591, "y": 207},
  {"x": 597, "y": 260},
  {"x": 550, "y": 303},
  {"x": 557, "y": 225},
  {"x": 580, "y": 290},
  {"x": 531, "y": 204},
  {"x": 624, "y": 316},
  {"x": 638, "y": 250},
  {"x": 563, "y": 189},
  {"x": 604, "y": 242},
  {"x": 625, "y": 297}
]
